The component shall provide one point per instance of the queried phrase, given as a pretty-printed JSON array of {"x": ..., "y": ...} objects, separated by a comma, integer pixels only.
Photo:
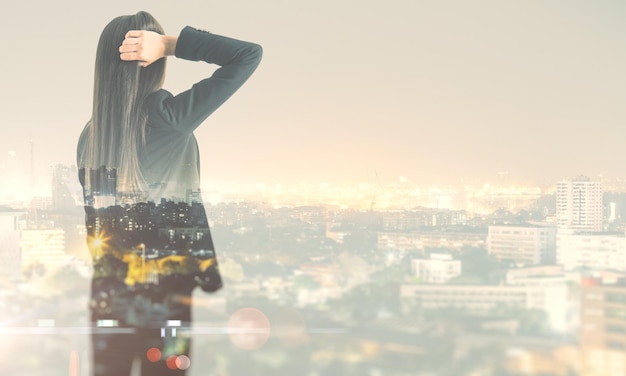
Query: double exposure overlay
[
  {"x": 144, "y": 253},
  {"x": 423, "y": 188}
]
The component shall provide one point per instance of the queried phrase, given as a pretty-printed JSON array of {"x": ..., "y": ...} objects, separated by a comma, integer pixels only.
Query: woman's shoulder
[
  {"x": 155, "y": 109},
  {"x": 155, "y": 100}
]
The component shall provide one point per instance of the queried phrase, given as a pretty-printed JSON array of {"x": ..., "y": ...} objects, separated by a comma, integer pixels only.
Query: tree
[
  {"x": 354, "y": 270},
  {"x": 305, "y": 282}
]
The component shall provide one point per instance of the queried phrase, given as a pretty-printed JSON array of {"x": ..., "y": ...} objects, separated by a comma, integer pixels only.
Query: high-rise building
[
  {"x": 63, "y": 177},
  {"x": 192, "y": 196},
  {"x": 579, "y": 204},
  {"x": 10, "y": 254},
  {"x": 100, "y": 187}
]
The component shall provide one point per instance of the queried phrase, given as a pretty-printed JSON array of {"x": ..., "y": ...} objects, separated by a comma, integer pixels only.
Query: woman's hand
[{"x": 146, "y": 47}]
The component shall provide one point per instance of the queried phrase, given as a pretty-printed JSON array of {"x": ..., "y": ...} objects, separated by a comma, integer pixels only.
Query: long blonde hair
[{"x": 117, "y": 128}]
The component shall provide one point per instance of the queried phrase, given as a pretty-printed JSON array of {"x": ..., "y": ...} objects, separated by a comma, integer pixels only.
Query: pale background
[{"x": 432, "y": 91}]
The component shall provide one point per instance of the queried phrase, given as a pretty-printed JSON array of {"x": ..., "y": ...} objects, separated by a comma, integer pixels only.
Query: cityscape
[
  {"x": 368, "y": 279},
  {"x": 402, "y": 188}
]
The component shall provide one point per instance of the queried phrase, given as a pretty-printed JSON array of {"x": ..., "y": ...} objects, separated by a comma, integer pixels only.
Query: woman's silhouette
[{"x": 138, "y": 160}]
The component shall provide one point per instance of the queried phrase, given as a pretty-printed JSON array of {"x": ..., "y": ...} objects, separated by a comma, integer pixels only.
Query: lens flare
[
  {"x": 153, "y": 355},
  {"x": 171, "y": 362},
  {"x": 248, "y": 328},
  {"x": 183, "y": 362}
]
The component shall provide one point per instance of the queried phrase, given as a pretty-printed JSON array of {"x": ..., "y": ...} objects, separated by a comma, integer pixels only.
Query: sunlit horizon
[{"x": 504, "y": 191}]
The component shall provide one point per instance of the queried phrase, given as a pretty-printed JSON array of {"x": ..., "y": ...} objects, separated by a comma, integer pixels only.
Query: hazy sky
[{"x": 432, "y": 90}]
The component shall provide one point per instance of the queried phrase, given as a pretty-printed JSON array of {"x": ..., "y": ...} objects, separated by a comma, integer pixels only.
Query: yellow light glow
[{"x": 97, "y": 244}]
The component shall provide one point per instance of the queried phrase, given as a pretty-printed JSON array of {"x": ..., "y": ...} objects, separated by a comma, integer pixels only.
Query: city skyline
[
  {"x": 59, "y": 190},
  {"x": 434, "y": 92},
  {"x": 390, "y": 285},
  {"x": 24, "y": 173}
]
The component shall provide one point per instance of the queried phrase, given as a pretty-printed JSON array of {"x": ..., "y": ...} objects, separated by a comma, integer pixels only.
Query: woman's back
[
  {"x": 139, "y": 166},
  {"x": 171, "y": 225}
]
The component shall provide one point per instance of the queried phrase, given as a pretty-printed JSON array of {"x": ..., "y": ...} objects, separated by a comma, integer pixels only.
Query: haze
[{"x": 431, "y": 91}]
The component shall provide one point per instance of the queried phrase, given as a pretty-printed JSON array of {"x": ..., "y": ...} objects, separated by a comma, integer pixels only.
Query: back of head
[
  {"x": 116, "y": 76},
  {"x": 117, "y": 126}
]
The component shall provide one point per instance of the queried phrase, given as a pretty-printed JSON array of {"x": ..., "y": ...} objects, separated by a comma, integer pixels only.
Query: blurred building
[
  {"x": 193, "y": 196},
  {"x": 544, "y": 359},
  {"x": 474, "y": 298},
  {"x": 43, "y": 247},
  {"x": 524, "y": 245},
  {"x": 405, "y": 220},
  {"x": 603, "y": 328},
  {"x": 439, "y": 268},
  {"x": 517, "y": 276},
  {"x": 64, "y": 180},
  {"x": 548, "y": 285},
  {"x": 422, "y": 240},
  {"x": 10, "y": 254},
  {"x": 579, "y": 204},
  {"x": 100, "y": 187},
  {"x": 546, "y": 293},
  {"x": 598, "y": 251}
]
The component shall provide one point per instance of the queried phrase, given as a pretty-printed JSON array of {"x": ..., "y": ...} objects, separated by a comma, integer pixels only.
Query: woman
[{"x": 138, "y": 160}]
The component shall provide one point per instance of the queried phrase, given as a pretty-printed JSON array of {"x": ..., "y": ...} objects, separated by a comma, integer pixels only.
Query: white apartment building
[
  {"x": 579, "y": 204},
  {"x": 403, "y": 241},
  {"x": 544, "y": 293},
  {"x": 547, "y": 285},
  {"x": 518, "y": 276},
  {"x": 10, "y": 255},
  {"x": 421, "y": 240},
  {"x": 591, "y": 250},
  {"x": 524, "y": 245},
  {"x": 439, "y": 268}
]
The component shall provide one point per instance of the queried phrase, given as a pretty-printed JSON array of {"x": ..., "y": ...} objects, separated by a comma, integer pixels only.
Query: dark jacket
[{"x": 162, "y": 245}]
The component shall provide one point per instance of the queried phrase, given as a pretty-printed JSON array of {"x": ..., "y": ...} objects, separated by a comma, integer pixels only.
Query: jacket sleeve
[{"x": 187, "y": 110}]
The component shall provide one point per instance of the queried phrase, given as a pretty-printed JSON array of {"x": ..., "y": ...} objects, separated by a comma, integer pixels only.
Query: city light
[
  {"x": 98, "y": 244},
  {"x": 368, "y": 272}
]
